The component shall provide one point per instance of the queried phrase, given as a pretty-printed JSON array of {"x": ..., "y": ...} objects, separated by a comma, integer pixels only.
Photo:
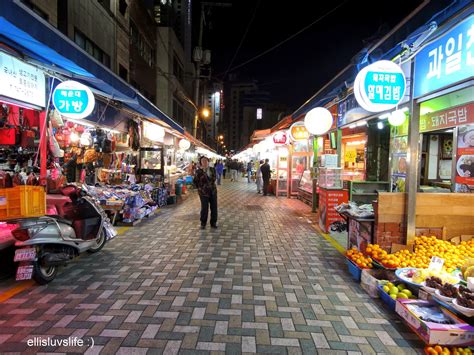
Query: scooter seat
[{"x": 61, "y": 219}]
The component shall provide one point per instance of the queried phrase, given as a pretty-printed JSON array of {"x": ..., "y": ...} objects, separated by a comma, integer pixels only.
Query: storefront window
[{"x": 353, "y": 157}]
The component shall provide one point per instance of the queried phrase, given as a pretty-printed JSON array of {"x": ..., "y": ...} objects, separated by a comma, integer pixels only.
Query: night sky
[{"x": 296, "y": 70}]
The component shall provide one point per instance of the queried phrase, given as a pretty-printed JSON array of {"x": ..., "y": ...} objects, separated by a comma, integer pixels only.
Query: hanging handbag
[
  {"x": 106, "y": 145},
  {"x": 56, "y": 151},
  {"x": 8, "y": 136},
  {"x": 56, "y": 119}
]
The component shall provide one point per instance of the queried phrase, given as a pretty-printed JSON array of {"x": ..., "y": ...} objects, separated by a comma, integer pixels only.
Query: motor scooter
[{"x": 44, "y": 243}]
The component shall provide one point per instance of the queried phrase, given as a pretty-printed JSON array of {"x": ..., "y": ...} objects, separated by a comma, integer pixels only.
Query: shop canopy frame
[{"x": 27, "y": 32}]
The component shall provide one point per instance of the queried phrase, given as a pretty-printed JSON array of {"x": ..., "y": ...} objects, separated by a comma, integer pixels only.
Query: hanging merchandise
[
  {"x": 134, "y": 135},
  {"x": 56, "y": 151},
  {"x": 56, "y": 118},
  {"x": 86, "y": 139}
]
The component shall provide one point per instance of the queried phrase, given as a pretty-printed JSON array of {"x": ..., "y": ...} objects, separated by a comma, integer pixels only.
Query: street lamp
[
  {"x": 221, "y": 137},
  {"x": 205, "y": 112}
]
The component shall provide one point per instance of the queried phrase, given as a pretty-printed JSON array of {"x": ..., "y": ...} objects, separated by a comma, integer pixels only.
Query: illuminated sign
[
  {"x": 447, "y": 60},
  {"x": 280, "y": 138},
  {"x": 259, "y": 114},
  {"x": 298, "y": 132},
  {"x": 22, "y": 82},
  {"x": 74, "y": 100},
  {"x": 380, "y": 86}
]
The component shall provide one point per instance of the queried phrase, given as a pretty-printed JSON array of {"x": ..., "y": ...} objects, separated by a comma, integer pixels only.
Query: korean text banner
[
  {"x": 22, "y": 82},
  {"x": 452, "y": 117},
  {"x": 447, "y": 60}
]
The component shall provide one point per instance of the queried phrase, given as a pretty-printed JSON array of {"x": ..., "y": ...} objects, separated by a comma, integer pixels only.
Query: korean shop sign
[
  {"x": 452, "y": 117},
  {"x": 73, "y": 99},
  {"x": 447, "y": 60},
  {"x": 298, "y": 132},
  {"x": 22, "y": 82},
  {"x": 380, "y": 86},
  {"x": 280, "y": 138}
]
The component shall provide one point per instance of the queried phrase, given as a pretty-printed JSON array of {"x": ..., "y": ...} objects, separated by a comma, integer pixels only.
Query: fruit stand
[{"x": 429, "y": 284}]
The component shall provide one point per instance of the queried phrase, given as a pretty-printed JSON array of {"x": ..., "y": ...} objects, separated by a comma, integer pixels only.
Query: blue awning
[{"x": 27, "y": 32}]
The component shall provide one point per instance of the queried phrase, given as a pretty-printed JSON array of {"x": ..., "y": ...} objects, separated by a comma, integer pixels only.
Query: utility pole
[{"x": 198, "y": 59}]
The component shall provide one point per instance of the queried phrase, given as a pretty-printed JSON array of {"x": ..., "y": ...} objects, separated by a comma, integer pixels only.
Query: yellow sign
[
  {"x": 298, "y": 132},
  {"x": 350, "y": 156}
]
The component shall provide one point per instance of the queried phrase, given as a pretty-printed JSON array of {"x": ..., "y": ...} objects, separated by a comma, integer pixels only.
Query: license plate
[
  {"x": 24, "y": 272},
  {"x": 27, "y": 254}
]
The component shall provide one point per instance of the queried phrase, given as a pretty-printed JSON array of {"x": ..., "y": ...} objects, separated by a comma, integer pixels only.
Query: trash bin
[{"x": 178, "y": 188}]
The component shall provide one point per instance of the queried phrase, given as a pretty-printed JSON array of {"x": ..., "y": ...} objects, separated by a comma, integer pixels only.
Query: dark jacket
[
  {"x": 266, "y": 172},
  {"x": 205, "y": 185}
]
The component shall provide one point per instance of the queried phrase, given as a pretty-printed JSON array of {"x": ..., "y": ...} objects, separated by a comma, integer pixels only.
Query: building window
[
  {"x": 123, "y": 73},
  {"x": 122, "y": 7},
  {"x": 145, "y": 50},
  {"x": 178, "y": 70},
  {"x": 90, "y": 47},
  {"x": 36, "y": 9}
]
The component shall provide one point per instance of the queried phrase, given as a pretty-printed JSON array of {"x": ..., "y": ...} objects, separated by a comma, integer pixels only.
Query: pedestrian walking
[
  {"x": 249, "y": 171},
  {"x": 205, "y": 181},
  {"x": 234, "y": 166},
  {"x": 259, "y": 179},
  {"x": 219, "y": 171},
  {"x": 266, "y": 174}
]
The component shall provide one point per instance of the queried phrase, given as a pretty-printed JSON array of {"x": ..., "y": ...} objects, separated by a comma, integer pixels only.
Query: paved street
[{"x": 264, "y": 282}]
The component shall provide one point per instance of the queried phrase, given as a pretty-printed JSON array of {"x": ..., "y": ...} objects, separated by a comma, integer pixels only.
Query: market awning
[{"x": 22, "y": 29}]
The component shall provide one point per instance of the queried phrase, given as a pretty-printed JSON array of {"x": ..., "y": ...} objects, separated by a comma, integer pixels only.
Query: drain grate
[{"x": 253, "y": 207}]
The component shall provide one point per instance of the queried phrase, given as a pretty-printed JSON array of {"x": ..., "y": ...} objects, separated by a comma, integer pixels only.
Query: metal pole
[
  {"x": 198, "y": 75},
  {"x": 413, "y": 164}
]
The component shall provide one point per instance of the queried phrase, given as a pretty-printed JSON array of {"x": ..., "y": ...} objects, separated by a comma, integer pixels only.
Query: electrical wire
[
  {"x": 289, "y": 38},
  {"x": 243, "y": 38}
]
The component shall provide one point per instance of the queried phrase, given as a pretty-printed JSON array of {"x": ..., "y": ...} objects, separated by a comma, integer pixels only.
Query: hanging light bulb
[
  {"x": 380, "y": 125},
  {"x": 74, "y": 137},
  {"x": 397, "y": 118}
]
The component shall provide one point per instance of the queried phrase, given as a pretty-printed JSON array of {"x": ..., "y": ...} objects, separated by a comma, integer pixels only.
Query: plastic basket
[
  {"x": 22, "y": 202},
  {"x": 389, "y": 301},
  {"x": 355, "y": 271}
]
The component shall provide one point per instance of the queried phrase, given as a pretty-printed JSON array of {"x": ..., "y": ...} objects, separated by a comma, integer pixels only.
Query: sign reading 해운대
[
  {"x": 447, "y": 60},
  {"x": 380, "y": 86},
  {"x": 73, "y": 99},
  {"x": 22, "y": 82},
  {"x": 452, "y": 117}
]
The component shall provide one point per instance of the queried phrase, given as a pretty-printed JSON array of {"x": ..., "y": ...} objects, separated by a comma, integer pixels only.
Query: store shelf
[{"x": 365, "y": 193}]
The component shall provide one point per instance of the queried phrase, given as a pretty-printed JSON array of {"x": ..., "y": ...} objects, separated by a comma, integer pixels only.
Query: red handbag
[
  {"x": 27, "y": 138},
  {"x": 8, "y": 136}
]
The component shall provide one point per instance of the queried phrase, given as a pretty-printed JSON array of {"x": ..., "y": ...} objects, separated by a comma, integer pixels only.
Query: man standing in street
[
  {"x": 266, "y": 174},
  {"x": 219, "y": 171},
  {"x": 249, "y": 171},
  {"x": 205, "y": 181}
]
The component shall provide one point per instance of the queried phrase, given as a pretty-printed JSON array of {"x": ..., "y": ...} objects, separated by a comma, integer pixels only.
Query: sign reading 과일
[{"x": 447, "y": 60}]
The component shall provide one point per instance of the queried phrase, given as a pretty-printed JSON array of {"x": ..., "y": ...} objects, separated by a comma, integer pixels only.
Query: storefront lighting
[
  {"x": 380, "y": 125},
  {"x": 356, "y": 142},
  {"x": 352, "y": 126},
  {"x": 74, "y": 137},
  {"x": 362, "y": 123},
  {"x": 318, "y": 121},
  {"x": 184, "y": 144},
  {"x": 397, "y": 118},
  {"x": 81, "y": 122},
  {"x": 384, "y": 116}
]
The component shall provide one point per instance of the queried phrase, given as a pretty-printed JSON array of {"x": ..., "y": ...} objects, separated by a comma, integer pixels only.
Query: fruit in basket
[
  {"x": 468, "y": 273},
  {"x": 359, "y": 259},
  {"x": 434, "y": 282},
  {"x": 438, "y": 349},
  {"x": 449, "y": 290}
]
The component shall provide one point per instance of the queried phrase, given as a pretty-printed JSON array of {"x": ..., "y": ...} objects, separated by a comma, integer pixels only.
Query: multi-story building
[
  {"x": 234, "y": 93},
  {"x": 214, "y": 104},
  {"x": 175, "y": 71}
]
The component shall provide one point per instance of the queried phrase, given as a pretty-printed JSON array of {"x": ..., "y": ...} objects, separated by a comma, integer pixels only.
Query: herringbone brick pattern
[{"x": 264, "y": 282}]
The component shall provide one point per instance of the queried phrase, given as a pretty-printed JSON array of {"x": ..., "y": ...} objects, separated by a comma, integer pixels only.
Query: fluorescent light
[
  {"x": 449, "y": 130},
  {"x": 384, "y": 116},
  {"x": 404, "y": 109},
  {"x": 352, "y": 126},
  {"x": 81, "y": 122},
  {"x": 380, "y": 125},
  {"x": 363, "y": 123}
]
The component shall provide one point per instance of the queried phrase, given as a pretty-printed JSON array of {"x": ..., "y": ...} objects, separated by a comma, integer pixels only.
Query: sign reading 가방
[
  {"x": 73, "y": 99},
  {"x": 380, "y": 86},
  {"x": 447, "y": 60},
  {"x": 22, "y": 82}
]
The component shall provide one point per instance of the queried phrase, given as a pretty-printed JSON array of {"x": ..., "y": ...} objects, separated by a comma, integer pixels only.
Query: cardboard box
[
  {"x": 459, "y": 333},
  {"x": 370, "y": 280}
]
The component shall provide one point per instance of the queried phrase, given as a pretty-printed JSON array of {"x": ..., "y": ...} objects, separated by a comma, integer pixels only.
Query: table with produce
[{"x": 429, "y": 284}]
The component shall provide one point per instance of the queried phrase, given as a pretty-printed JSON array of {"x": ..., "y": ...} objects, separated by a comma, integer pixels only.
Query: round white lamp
[
  {"x": 397, "y": 118},
  {"x": 318, "y": 121},
  {"x": 184, "y": 144}
]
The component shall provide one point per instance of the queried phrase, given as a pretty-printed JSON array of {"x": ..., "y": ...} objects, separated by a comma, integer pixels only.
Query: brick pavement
[{"x": 264, "y": 282}]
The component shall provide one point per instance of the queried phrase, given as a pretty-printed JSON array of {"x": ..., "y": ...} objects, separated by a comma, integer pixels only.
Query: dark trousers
[
  {"x": 266, "y": 182},
  {"x": 207, "y": 202}
]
